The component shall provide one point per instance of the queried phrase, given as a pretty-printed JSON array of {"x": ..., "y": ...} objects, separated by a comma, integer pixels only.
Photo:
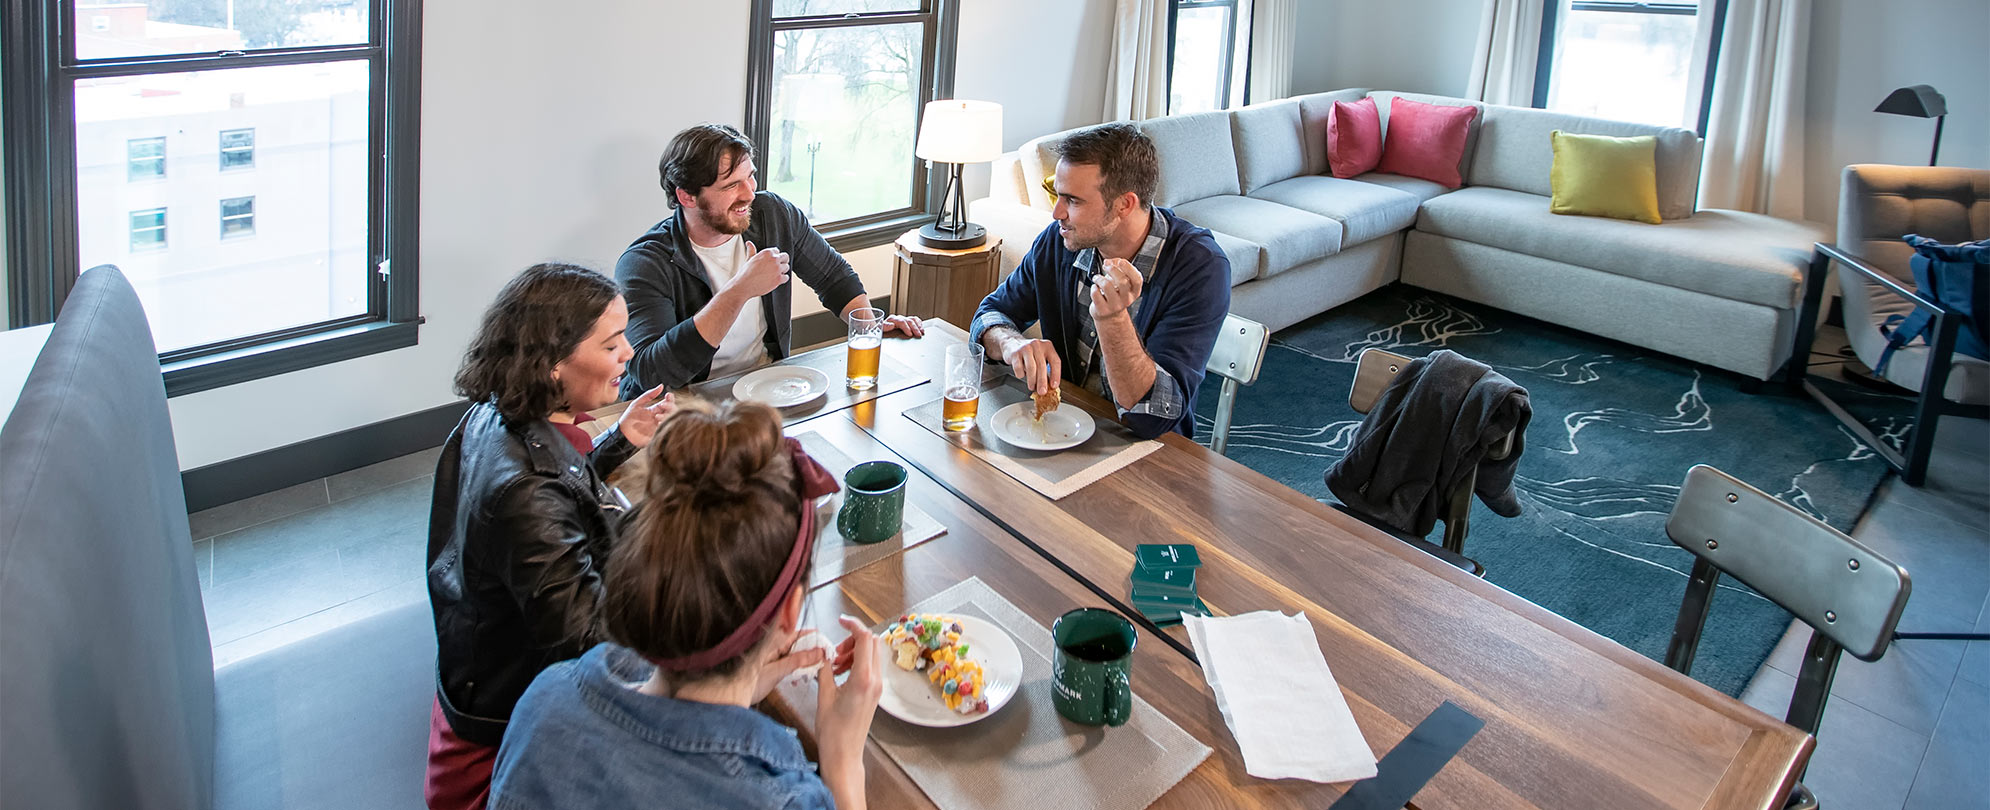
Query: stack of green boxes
[{"x": 1164, "y": 582}]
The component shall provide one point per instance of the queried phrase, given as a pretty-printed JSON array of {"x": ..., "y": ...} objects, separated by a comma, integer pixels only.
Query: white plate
[
  {"x": 1062, "y": 427},
  {"x": 910, "y": 697},
  {"x": 781, "y": 386}
]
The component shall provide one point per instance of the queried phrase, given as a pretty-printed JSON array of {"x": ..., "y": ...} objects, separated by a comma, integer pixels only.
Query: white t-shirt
[{"x": 743, "y": 346}]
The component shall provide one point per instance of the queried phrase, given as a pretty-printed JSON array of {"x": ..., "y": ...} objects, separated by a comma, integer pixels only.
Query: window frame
[
  {"x": 938, "y": 50},
  {"x": 1229, "y": 56},
  {"x": 250, "y": 216},
  {"x": 223, "y": 149},
  {"x": 132, "y": 229},
  {"x": 130, "y": 161},
  {"x": 40, "y": 71},
  {"x": 1544, "y": 59}
]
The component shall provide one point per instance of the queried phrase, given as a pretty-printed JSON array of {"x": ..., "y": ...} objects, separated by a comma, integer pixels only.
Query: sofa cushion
[
  {"x": 1426, "y": 141},
  {"x": 1364, "y": 210},
  {"x": 1197, "y": 157},
  {"x": 1354, "y": 138},
  {"x": 1603, "y": 176},
  {"x": 1314, "y": 111},
  {"x": 1514, "y": 152},
  {"x": 1290, "y": 237},
  {"x": 1246, "y": 257},
  {"x": 1270, "y": 146},
  {"x": 1384, "y": 98},
  {"x": 1038, "y": 157},
  {"x": 1738, "y": 256},
  {"x": 1421, "y": 189}
]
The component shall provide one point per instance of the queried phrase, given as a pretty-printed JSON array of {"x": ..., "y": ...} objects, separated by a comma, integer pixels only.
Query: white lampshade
[{"x": 960, "y": 131}]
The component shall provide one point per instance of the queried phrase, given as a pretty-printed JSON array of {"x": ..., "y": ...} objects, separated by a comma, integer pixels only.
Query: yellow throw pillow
[
  {"x": 1050, "y": 187},
  {"x": 1602, "y": 176}
]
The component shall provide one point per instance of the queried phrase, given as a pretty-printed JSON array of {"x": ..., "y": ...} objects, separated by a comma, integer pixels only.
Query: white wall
[
  {"x": 1860, "y": 51},
  {"x": 1419, "y": 46},
  {"x": 540, "y": 133}
]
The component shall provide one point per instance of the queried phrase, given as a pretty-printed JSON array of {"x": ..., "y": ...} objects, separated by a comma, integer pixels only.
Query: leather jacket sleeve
[
  {"x": 611, "y": 449},
  {"x": 551, "y": 568}
]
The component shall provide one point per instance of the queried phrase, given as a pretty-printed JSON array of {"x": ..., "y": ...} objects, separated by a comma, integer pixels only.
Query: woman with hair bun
[
  {"x": 522, "y": 519},
  {"x": 702, "y": 605}
]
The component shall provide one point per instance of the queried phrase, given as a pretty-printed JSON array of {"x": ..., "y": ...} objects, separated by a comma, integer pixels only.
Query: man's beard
[
  {"x": 721, "y": 219},
  {"x": 1081, "y": 241}
]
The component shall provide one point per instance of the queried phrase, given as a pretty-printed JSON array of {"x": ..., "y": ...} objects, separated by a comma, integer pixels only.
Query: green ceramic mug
[
  {"x": 1091, "y": 680},
  {"x": 873, "y": 502}
]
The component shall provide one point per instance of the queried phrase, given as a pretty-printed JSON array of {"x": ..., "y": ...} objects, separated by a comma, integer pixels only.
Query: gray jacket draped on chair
[{"x": 1436, "y": 422}]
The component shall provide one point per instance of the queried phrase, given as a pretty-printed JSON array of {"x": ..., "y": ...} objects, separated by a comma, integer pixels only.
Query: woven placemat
[
  {"x": 1054, "y": 473},
  {"x": 833, "y": 361},
  {"x": 1025, "y": 756},
  {"x": 835, "y": 556}
]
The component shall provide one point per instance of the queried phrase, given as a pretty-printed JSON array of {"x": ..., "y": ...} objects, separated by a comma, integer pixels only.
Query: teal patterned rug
[{"x": 1614, "y": 430}]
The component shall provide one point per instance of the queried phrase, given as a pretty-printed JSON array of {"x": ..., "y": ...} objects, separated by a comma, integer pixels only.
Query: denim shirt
[{"x": 583, "y": 737}]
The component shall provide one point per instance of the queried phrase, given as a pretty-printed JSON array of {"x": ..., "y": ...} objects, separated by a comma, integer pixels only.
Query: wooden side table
[{"x": 933, "y": 283}]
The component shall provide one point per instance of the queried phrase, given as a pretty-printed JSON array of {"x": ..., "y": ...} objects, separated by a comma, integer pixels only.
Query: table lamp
[
  {"x": 1919, "y": 101},
  {"x": 957, "y": 131}
]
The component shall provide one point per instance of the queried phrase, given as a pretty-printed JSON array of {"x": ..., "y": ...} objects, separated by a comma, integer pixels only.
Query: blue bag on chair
[{"x": 1955, "y": 276}]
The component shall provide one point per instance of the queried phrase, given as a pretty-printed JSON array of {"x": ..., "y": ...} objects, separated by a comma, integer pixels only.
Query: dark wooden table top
[{"x": 1573, "y": 719}]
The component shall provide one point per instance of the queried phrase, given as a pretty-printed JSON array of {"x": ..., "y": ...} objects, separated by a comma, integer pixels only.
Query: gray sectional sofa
[{"x": 1716, "y": 287}]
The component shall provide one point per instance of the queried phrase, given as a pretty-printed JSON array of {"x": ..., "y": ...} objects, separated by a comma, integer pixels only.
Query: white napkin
[{"x": 1278, "y": 697}]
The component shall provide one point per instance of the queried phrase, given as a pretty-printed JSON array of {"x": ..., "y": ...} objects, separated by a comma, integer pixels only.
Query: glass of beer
[
  {"x": 962, "y": 385},
  {"x": 866, "y": 342}
]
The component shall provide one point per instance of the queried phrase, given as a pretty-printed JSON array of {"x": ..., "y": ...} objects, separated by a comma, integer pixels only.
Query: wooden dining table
[{"x": 1572, "y": 719}]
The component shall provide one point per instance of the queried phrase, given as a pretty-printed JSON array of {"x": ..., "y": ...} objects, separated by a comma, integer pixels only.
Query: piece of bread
[
  {"x": 932, "y": 643},
  {"x": 1045, "y": 403}
]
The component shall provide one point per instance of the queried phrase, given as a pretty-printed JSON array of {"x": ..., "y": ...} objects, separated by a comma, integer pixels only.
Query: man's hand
[
  {"x": 640, "y": 419},
  {"x": 1035, "y": 362},
  {"x": 765, "y": 272},
  {"x": 906, "y": 325},
  {"x": 1115, "y": 289}
]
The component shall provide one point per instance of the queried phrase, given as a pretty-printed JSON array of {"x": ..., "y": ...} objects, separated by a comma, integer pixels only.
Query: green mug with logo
[
  {"x": 873, "y": 502},
  {"x": 1091, "y": 680}
]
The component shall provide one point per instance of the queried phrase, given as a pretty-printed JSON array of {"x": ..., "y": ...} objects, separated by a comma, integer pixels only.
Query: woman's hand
[
  {"x": 843, "y": 713},
  {"x": 639, "y": 421}
]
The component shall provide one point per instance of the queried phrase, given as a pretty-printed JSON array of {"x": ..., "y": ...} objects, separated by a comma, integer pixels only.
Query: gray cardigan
[
  {"x": 1434, "y": 423},
  {"x": 665, "y": 284}
]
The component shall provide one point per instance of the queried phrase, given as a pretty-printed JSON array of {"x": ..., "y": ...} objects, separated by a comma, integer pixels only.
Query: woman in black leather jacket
[{"x": 523, "y": 519}]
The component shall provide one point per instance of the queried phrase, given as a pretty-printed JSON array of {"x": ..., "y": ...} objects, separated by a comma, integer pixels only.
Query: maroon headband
[{"x": 811, "y": 481}]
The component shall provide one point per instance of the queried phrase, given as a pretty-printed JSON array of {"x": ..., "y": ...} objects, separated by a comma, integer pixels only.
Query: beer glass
[
  {"x": 866, "y": 343},
  {"x": 962, "y": 385}
]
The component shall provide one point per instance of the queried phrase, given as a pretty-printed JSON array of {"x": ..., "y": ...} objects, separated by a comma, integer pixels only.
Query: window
[
  {"x": 1208, "y": 54},
  {"x": 238, "y": 149},
  {"x": 238, "y": 217},
  {"x": 145, "y": 158},
  {"x": 330, "y": 85},
  {"x": 1627, "y": 61},
  {"x": 834, "y": 95},
  {"x": 148, "y": 229}
]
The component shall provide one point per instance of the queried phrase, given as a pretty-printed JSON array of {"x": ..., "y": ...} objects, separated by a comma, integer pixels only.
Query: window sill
[
  {"x": 872, "y": 234},
  {"x": 295, "y": 354}
]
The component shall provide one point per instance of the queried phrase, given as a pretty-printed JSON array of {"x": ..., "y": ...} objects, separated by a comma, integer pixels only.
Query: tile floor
[{"x": 1911, "y": 730}]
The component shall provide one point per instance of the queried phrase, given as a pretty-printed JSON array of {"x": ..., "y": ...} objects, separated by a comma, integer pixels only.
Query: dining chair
[
  {"x": 1849, "y": 595},
  {"x": 1237, "y": 358},
  {"x": 1373, "y": 372}
]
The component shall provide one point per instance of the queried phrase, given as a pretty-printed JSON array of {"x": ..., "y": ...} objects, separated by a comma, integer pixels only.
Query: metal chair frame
[
  {"x": 1237, "y": 357},
  {"x": 1850, "y": 596},
  {"x": 1931, "y": 404},
  {"x": 1372, "y": 374}
]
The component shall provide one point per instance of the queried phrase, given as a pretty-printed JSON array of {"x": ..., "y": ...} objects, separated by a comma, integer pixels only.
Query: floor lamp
[
  {"x": 955, "y": 132},
  {"x": 1919, "y": 101}
]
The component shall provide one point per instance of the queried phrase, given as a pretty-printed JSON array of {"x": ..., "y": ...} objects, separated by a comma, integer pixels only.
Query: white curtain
[
  {"x": 1274, "y": 36},
  {"x": 1509, "y": 45},
  {"x": 1137, "y": 75},
  {"x": 1754, "y": 148}
]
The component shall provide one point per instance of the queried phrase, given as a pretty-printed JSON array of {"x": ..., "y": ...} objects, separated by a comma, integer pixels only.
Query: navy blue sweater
[{"x": 1178, "y": 315}]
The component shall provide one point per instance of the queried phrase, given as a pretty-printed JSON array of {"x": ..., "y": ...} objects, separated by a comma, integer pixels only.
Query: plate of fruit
[{"x": 944, "y": 670}]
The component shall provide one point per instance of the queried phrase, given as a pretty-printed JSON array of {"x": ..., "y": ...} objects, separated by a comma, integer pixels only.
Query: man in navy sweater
[{"x": 1131, "y": 297}]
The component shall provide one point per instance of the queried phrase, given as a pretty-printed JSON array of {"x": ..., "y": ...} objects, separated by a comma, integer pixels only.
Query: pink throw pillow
[
  {"x": 1354, "y": 138},
  {"x": 1426, "y": 141}
]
